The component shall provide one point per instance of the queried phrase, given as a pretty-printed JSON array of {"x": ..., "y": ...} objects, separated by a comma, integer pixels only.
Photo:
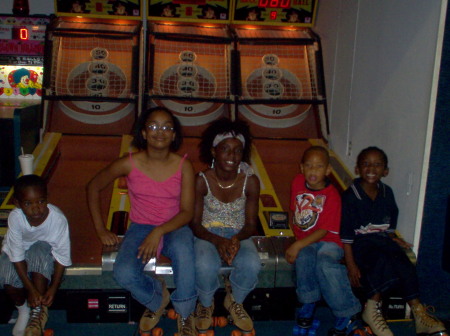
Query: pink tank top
[{"x": 153, "y": 202}]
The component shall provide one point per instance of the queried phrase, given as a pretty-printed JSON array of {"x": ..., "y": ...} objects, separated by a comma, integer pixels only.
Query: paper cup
[{"x": 26, "y": 163}]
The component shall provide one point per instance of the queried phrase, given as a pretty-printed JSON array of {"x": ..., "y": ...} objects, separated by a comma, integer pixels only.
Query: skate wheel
[
  {"x": 49, "y": 332},
  {"x": 236, "y": 333},
  {"x": 208, "y": 332},
  {"x": 157, "y": 332},
  {"x": 172, "y": 314},
  {"x": 219, "y": 321}
]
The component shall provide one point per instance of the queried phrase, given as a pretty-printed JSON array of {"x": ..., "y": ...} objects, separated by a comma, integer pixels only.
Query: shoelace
[
  {"x": 35, "y": 318},
  {"x": 186, "y": 327},
  {"x": 426, "y": 318},
  {"x": 204, "y": 312},
  {"x": 379, "y": 320},
  {"x": 239, "y": 310}
]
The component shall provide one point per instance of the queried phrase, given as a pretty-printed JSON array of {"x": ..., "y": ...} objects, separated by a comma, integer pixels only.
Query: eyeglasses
[{"x": 155, "y": 128}]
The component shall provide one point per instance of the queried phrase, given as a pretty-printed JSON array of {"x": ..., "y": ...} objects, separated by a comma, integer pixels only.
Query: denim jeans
[
  {"x": 128, "y": 270},
  {"x": 243, "y": 278},
  {"x": 320, "y": 273}
]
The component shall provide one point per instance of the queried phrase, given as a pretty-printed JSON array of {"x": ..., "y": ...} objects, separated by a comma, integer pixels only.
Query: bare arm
[
  {"x": 295, "y": 248},
  {"x": 58, "y": 273},
  {"x": 251, "y": 208},
  {"x": 117, "y": 168},
  {"x": 354, "y": 273}
]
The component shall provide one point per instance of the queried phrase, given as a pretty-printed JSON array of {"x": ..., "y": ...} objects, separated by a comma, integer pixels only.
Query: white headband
[{"x": 220, "y": 137}]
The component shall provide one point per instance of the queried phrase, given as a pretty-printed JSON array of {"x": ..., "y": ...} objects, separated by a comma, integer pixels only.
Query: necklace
[{"x": 228, "y": 186}]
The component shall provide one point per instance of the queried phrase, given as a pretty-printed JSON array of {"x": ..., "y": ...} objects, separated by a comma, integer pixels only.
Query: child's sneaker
[
  {"x": 203, "y": 316},
  {"x": 37, "y": 321},
  {"x": 374, "y": 318},
  {"x": 186, "y": 326},
  {"x": 150, "y": 319},
  {"x": 305, "y": 315},
  {"x": 425, "y": 323},
  {"x": 240, "y": 317}
]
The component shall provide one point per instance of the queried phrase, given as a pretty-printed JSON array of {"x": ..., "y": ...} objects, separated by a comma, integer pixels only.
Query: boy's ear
[
  {"x": 356, "y": 170},
  {"x": 386, "y": 172},
  {"x": 301, "y": 168},
  {"x": 328, "y": 171},
  {"x": 16, "y": 202}
]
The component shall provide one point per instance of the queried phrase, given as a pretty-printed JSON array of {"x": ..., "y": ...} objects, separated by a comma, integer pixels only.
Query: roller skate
[
  {"x": 306, "y": 323},
  {"x": 238, "y": 314},
  {"x": 427, "y": 324},
  {"x": 186, "y": 326},
  {"x": 373, "y": 316},
  {"x": 150, "y": 319},
  {"x": 350, "y": 327},
  {"x": 203, "y": 318},
  {"x": 37, "y": 321}
]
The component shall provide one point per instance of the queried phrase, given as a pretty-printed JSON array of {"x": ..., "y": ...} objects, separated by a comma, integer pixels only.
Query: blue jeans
[
  {"x": 320, "y": 273},
  {"x": 243, "y": 278},
  {"x": 128, "y": 270}
]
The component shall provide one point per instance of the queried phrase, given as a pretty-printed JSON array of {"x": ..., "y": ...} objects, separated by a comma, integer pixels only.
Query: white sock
[{"x": 22, "y": 319}]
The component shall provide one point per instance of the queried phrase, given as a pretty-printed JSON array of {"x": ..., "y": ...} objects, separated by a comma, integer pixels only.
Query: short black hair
[
  {"x": 318, "y": 149},
  {"x": 363, "y": 153},
  {"x": 140, "y": 143},
  {"x": 220, "y": 126},
  {"x": 26, "y": 181}
]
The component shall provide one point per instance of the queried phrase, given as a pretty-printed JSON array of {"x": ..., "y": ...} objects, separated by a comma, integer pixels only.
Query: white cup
[{"x": 26, "y": 163}]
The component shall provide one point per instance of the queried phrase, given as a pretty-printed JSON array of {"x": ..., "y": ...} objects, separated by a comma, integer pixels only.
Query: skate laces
[
  {"x": 186, "y": 326},
  {"x": 378, "y": 318},
  {"x": 238, "y": 309},
  {"x": 36, "y": 317},
  {"x": 424, "y": 313},
  {"x": 203, "y": 312}
]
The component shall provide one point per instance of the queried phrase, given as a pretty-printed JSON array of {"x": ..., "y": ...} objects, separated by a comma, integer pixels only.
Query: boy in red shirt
[{"x": 317, "y": 252}]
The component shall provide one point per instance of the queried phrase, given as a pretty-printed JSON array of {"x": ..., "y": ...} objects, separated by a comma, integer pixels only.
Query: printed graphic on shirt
[
  {"x": 307, "y": 210},
  {"x": 372, "y": 228}
]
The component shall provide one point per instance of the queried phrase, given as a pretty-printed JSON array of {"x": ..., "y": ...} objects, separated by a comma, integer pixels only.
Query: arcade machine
[
  {"x": 282, "y": 93},
  {"x": 90, "y": 99},
  {"x": 21, "y": 73}
]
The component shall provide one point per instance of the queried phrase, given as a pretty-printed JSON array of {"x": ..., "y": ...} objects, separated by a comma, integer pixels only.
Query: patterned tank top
[{"x": 218, "y": 215}]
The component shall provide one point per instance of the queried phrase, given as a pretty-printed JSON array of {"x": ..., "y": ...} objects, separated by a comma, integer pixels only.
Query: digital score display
[
  {"x": 275, "y": 12},
  {"x": 274, "y": 4},
  {"x": 22, "y": 39}
]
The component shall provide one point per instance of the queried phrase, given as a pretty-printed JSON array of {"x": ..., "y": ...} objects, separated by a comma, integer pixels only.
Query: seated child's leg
[
  {"x": 40, "y": 263},
  {"x": 247, "y": 265},
  {"x": 308, "y": 290},
  {"x": 334, "y": 284},
  {"x": 207, "y": 266},
  {"x": 128, "y": 270},
  {"x": 179, "y": 247}
]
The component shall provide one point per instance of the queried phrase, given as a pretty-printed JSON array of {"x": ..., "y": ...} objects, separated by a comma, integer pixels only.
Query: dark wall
[{"x": 433, "y": 274}]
